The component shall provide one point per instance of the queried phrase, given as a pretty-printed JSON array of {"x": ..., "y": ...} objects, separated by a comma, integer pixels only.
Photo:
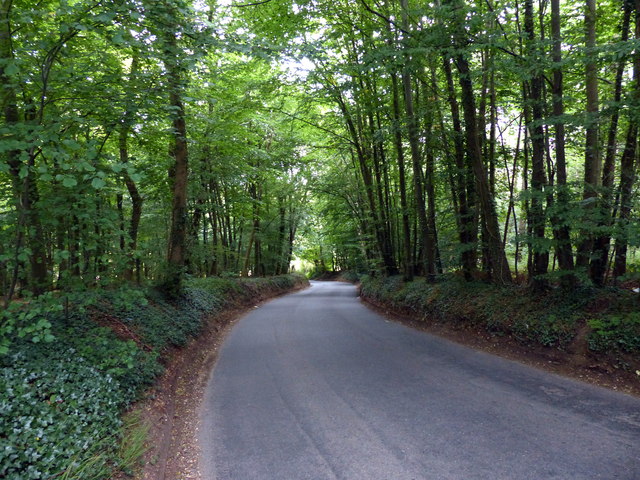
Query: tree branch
[
  {"x": 250, "y": 4},
  {"x": 383, "y": 17}
]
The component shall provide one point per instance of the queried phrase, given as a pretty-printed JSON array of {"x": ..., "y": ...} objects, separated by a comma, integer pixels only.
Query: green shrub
[
  {"x": 619, "y": 332},
  {"x": 548, "y": 321},
  {"x": 350, "y": 276},
  {"x": 75, "y": 360},
  {"x": 53, "y": 407}
]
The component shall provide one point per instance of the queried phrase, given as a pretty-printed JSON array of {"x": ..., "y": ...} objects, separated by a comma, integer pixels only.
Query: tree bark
[
  {"x": 180, "y": 169},
  {"x": 426, "y": 236},
  {"x": 559, "y": 220},
  {"x": 600, "y": 253},
  {"x": 22, "y": 172},
  {"x": 627, "y": 165},
  {"x": 466, "y": 232},
  {"x": 592, "y": 160},
  {"x": 404, "y": 207},
  {"x": 540, "y": 255},
  {"x": 498, "y": 264},
  {"x": 132, "y": 188}
]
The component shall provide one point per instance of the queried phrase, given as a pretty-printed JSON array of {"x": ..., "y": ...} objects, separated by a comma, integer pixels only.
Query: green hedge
[{"x": 65, "y": 382}]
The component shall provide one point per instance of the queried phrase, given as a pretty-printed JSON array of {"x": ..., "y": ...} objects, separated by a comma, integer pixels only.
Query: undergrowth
[
  {"x": 551, "y": 319},
  {"x": 65, "y": 383}
]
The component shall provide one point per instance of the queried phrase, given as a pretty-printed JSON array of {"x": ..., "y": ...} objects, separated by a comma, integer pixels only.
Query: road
[{"x": 315, "y": 385}]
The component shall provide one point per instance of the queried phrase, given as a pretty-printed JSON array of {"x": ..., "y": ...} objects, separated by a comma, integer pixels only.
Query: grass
[{"x": 135, "y": 432}]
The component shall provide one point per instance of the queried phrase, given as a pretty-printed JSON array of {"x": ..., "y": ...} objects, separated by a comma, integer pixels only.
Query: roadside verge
[
  {"x": 171, "y": 406},
  {"x": 591, "y": 335},
  {"x": 63, "y": 392}
]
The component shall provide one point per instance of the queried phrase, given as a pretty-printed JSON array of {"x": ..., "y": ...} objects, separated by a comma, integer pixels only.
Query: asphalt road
[{"x": 315, "y": 385}]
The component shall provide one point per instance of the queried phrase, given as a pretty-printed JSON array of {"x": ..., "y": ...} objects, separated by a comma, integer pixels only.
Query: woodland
[
  {"x": 149, "y": 140},
  {"x": 159, "y": 157}
]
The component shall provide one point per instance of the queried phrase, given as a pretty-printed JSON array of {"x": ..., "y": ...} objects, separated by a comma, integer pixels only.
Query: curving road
[{"x": 316, "y": 386}]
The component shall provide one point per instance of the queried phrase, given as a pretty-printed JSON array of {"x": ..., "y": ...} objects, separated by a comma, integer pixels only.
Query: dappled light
[{"x": 426, "y": 151}]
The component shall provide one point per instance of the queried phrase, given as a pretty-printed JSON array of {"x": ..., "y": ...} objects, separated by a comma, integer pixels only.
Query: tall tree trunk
[
  {"x": 540, "y": 260},
  {"x": 426, "y": 236},
  {"x": 498, "y": 264},
  {"x": 362, "y": 156},
  {"x": 627, "y": 167},
  {"x": 132, "y": 188},
  {"x": 404, "y": 207},
  {"x": 592, "y": 160},
  {"x": 180, "y": 168},
  {"x": 600, "y": 254},
  {"x": 559, "y": 220},
  {"x": 384, "y": 225},
  {"x": 466, "y": 216},
  {"x": 22, "y": 172},
  {"x": 280, "y": 243}
]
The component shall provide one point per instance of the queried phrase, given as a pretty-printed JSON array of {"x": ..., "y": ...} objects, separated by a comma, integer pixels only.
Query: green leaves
[
  {"x": 68, "y": 181},
  {"x": 11, "y": 68},
  {"x": 98, "y": 183}
]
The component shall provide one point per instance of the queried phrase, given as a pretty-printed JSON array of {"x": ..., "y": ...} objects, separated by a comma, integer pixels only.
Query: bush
[
  {"x": 350, "y": 276},
  {"x": 619, "y": 332},
  {"x": 65, "y": 381},
  {"x": 549, "y": 321},
  {"x": 53, "y": 407}
]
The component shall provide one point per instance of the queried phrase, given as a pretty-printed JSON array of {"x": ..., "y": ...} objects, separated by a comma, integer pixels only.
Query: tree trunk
[
  {"x": 540, "y": 260},
  {"x": 24, "y": 184},
  {"x": 465, "y": 215},
  {"x": 499, "y": 266},
  {"x": 627, "y": 167},
  {"x": 426, "y": 236},
  {"x": 600, "y": 254},
  {"x": 132, "y": 188},
  {"x": 559, "y": 220},
  {"x": 180, "y": 169},
  {"x": 136, "y": 205},
  {"x": 592, "y": 161},
  {"x": 404, "y": 207}
]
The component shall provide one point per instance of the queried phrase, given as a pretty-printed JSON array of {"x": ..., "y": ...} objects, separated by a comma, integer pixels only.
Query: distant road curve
[{"x": 315, "y": 385}]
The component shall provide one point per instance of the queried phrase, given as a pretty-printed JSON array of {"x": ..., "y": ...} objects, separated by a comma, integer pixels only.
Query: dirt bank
[{"x": 574, "y": 362}]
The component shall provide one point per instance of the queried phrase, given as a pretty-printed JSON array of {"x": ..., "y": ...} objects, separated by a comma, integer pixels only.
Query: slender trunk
[
  {"x": 280, "y": 244},
  {"x": 431, "y": 205},
  {"x": 592, "y": 161},
  {"x": 384, "y": 225},
  {"x": 363, "y": 156},
  {"x": 627, "y": 179},
  {"x": 627, "y": 167},
  {"x": 132, "y": 188},
  {"x": 600, "y": 254},
  {"x": 540, "y": 260},
  {"x": 465, "y": 215},
  {"x": 24, "y": 184},
  {"x": 499, "y": 266},
  {"x": 180, "y": 169},
  {"x": 426, "y": 236},
  {"x": 136, "y": 206},
  {"x": 404, "y": 207},
  {"x": 559, "y": 221}
]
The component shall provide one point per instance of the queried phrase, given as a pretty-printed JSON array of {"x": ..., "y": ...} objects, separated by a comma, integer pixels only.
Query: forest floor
[{"x": 171, "y": 407}]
